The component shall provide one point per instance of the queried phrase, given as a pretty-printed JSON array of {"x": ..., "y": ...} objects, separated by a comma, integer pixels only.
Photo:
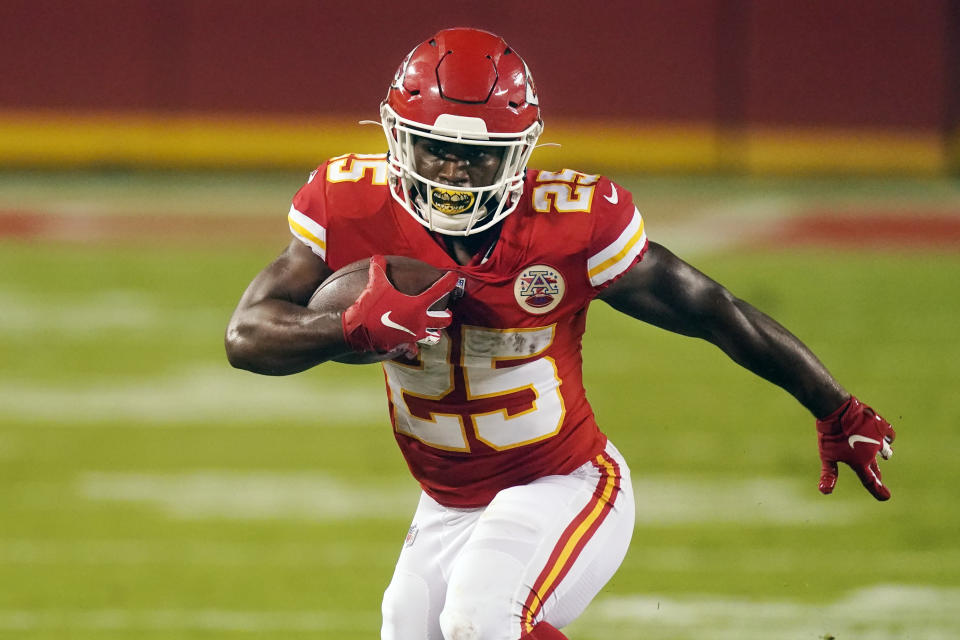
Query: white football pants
[{"x": 539, "y": 551}]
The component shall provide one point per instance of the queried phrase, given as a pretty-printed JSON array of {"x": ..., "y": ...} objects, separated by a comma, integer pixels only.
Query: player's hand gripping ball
[
  {"x": 388, "y": 305},
  {"x": 854, "y": 434}
]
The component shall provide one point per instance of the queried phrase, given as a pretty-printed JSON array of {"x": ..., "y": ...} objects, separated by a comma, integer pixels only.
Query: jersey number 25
[{"x": 427, "y": 384}]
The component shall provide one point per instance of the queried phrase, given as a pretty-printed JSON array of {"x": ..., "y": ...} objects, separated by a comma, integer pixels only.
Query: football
[{"x": 343, "y": 287}]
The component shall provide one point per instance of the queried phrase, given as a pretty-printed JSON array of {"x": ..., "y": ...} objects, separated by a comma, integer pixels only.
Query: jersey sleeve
[
  {"x": 308, "y": 213},
  {"x": 618, "y": 239}
]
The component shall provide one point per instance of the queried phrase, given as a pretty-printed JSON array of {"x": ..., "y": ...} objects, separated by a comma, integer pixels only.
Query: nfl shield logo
[
  {"x": 539, "y": 289},
  {"x": 411, "y": 535}
]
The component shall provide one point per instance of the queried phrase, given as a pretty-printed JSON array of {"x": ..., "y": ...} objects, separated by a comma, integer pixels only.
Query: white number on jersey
[
  {"x": 355, "y": 167},
  {"x": 565, "y": 191},
  {"x": 481, "y": 350}
]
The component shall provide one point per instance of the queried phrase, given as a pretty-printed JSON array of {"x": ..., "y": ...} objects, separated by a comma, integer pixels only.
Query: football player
[{"x": 526, "y": 509}]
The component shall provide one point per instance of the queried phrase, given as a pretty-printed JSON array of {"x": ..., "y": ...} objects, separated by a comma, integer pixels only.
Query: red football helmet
[{"x": 464, "y": 86}]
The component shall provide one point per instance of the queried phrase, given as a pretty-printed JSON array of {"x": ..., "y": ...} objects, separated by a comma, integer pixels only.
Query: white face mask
[{"x": 457, "y": 211}]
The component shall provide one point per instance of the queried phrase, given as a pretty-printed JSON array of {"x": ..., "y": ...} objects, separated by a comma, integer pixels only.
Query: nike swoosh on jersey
[
  {"x": 613, "y": 198},
  {"x": 852, "y": 440},
  {"x": 387, "y": 322}
]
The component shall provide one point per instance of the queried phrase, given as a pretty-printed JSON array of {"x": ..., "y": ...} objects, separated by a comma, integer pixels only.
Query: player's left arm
[{"x": 665, "y": 291}]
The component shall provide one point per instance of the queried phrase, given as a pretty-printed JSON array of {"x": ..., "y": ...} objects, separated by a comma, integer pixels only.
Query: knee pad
[
  {"x": 406, "y": 609},
  {"x": 481, "y": 602},
  {"x": 458, "y": 625}
]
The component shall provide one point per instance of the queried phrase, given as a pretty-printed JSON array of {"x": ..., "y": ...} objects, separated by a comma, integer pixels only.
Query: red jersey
[{"x": 499, "y": 401}]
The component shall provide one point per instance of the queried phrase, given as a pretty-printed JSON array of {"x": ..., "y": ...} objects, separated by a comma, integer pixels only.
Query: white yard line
[
  {"x": 728, "y": 224},
  {"x": 662, "y": 501},
  {"x": 678, "y": 500},
  {"x": 187, "y": 620},
  {"x": 251, "y": 496},
  {"x": 878, "y": 612},
  {"x": 145, "y": 552},
  {"x": 220, "y": 395},
  {"x": 40, "y": 314},
  {"x": 201, "y": 393}
]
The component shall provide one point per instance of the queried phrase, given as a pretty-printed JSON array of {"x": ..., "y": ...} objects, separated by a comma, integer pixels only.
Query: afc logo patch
[{"x": 539, "y": 289}]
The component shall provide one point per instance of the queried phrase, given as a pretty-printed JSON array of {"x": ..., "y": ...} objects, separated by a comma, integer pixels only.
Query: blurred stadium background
[{"x": 806, "y": 154}]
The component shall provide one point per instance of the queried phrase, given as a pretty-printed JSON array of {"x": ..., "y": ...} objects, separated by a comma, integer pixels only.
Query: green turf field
[{"x": 148, "y": 490}]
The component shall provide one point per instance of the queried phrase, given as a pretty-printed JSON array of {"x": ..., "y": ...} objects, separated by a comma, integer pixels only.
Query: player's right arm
[{"x": 272, "y": 331}]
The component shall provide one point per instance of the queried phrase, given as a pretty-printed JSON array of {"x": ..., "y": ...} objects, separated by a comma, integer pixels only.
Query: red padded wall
[
  {"x": 871, "y": 63},
  {"x": 875, "y": 62}
]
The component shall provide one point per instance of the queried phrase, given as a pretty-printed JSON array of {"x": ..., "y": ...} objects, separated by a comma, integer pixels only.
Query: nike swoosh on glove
[
  {"x": 854, "y": 434},
  {"x": 383, "y": 318}
]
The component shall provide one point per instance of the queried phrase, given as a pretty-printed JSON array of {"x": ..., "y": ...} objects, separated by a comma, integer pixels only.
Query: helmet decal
[
  {"x": 531, "y": 89},
  {"x": 401, "y": 73}
]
